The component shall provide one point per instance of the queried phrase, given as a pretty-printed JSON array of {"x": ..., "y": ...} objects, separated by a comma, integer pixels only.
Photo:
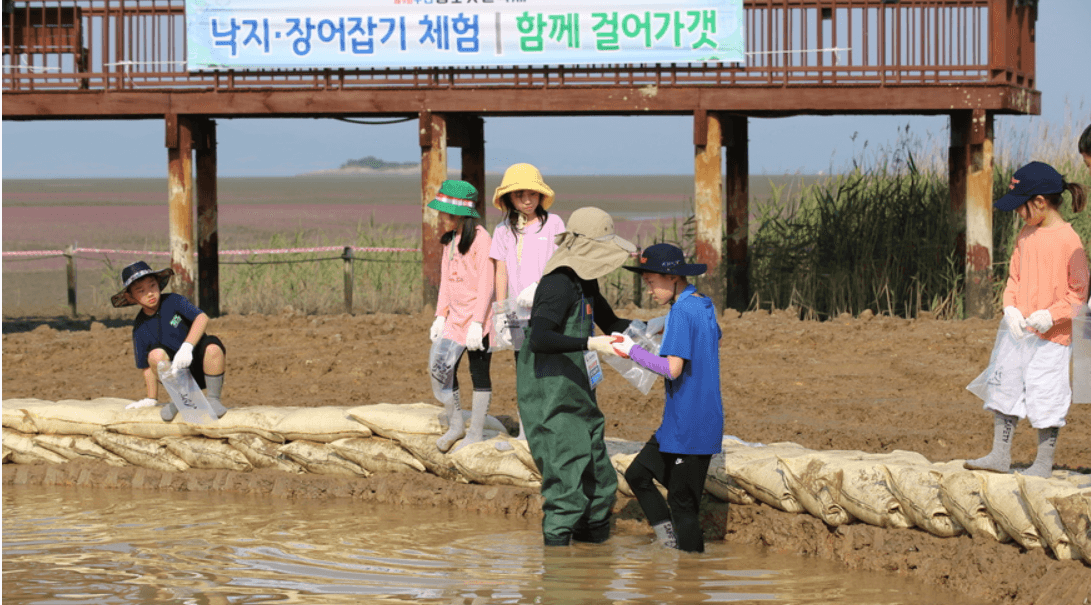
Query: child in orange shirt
[{"x": 1047, "y": 279}]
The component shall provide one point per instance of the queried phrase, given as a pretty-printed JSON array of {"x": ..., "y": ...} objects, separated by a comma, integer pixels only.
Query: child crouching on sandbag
[
  {"x": 169, "y": 328},
  {"x": 679, "y": 453}
]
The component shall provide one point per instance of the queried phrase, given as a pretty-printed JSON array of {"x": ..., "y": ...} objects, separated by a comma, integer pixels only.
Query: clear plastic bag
[
  {"x": 1081, "y": 355},
  {"x": 637, "y": 375},
  {"x": 509, "y": 321},
  {"x": 441, "y": 365},
  {"x": 186, "y": 395},
  {"x": 1002, "y": 382}
]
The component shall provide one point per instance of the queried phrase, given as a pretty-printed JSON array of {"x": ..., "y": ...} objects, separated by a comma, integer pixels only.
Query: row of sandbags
[{"x": 895, "y": 490}]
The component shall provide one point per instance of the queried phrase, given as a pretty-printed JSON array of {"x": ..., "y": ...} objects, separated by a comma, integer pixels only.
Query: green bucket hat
[{"x": 456, "y": 197}]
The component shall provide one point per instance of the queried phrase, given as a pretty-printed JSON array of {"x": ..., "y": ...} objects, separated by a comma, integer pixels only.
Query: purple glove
[{"x": 651, "y": 361}]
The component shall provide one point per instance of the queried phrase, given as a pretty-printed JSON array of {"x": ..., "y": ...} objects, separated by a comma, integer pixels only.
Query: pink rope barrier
[{"x": 222, "y": 252}]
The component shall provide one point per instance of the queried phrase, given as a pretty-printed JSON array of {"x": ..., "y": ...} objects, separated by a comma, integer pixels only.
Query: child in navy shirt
[
  {"x": 679, "y": 453},
  {"x": 169, "y": 328}
]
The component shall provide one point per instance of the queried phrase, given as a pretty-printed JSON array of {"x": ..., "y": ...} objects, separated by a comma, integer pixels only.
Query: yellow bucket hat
[{"x": 523, "y": 176}]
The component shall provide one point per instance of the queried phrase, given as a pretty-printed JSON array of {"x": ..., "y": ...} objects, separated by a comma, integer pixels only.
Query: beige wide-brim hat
[
  {"x": 590, "y": 246},
  {"x": 523, "y": 176}
]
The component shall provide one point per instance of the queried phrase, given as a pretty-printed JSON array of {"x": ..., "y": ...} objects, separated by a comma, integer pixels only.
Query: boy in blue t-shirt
[
  {"x": 169, "y": 328},
  {"x": 679, "y": 453}
]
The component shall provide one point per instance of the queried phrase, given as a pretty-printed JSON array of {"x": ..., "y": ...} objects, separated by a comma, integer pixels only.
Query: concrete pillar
[
  {"x": 971, "y": 180},
  {"x": 208, "y": 238},
  {"x": 433, "y": 166},
  {"x": 179, "y": 142},
  {"x": 708, "y": 202},
  {"x": 736, "y": 239}
]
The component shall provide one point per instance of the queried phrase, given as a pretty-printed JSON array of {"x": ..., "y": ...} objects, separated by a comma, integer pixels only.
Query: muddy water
[{"x": 82, "y": 546}]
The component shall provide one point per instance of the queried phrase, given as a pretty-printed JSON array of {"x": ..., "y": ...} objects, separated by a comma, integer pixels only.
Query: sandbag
[
  {"x": 78, "y": 447},
  {"x": 423, "y": 448},
  {"x": 1080, "y": 480},
  {"x": 377, "y": 455},
  {"x": 808, "y": 482},
  {"x": 481, "y": 463},
  {"x": 1005, "y": 505},
  {"x": 7, "y": 454},
  {"x": 1035, "y": 493},
  {"x": 319, "y": 459},
  {"x": 256, "y": 420},
  {"x": 321, "y": 424},
  {"x": 138, "y": 451},
  {"x": 862, "y": 488},
  {"x": 720, "y": 484},
  {"x": 917, "y": 490},
  {"x": 147, "y": 423},
  {"x": 763, "y": 479},
  {"x": 25, "y": 451},
  {"x": 1075, "y": 513},
  {"x": 521, "y": 449},
  {"x": 15, "y": 414},
  {"x": 963, "y": 495},
  {"x": 71, "y": 417},
  {"x": 263, "y": 453},
  {"x": 201, "y": 452},
  {"x": 721, "y": 469},
  {"x": 418, "y": 418}
]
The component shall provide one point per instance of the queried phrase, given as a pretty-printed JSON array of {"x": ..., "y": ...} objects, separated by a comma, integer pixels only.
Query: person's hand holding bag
[
  {"x": 1015, "y": 321},
  {"x": 602, "y": 344},
  {"x": 474, "y": 337},
  {"x": 437, "y": 329},
  {"x": 1040, "y": 320}
]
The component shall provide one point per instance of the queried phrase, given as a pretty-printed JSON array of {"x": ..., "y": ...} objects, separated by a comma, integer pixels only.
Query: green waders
[{"x": 564, "y": 428}]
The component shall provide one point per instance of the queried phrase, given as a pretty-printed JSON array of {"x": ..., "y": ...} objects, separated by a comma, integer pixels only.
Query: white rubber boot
[
  {"x": 476, "y": 433},
  {"x": 456, "y": 427}
]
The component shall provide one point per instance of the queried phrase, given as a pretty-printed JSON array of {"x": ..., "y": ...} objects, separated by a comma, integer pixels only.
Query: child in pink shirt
[
  {"x": 464, "y": 307},
  {"x": 1047, "y": 281}
]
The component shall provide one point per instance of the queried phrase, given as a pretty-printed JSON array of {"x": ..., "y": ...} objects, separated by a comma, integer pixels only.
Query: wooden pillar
[
  {"x": 708, "y": 201},
  {"x": 180, "y": 199},
  {"x": 433, "y": 166},
  {"x": 971, "y": 179},
  {"x": 736, "y": 239},
  {"x": 208, "y": 238}
]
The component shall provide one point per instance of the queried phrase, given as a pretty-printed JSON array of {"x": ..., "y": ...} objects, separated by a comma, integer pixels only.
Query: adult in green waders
[{"x": 557, "y": 371}]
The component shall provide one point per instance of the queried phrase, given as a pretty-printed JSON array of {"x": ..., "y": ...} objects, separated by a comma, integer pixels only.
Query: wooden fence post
[
  {"x": 70, "y": 257},
  {"x": 347, "y": 257}
]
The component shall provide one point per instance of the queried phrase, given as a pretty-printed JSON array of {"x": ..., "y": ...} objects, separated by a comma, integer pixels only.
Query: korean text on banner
[{"x": 362, "y": 34}]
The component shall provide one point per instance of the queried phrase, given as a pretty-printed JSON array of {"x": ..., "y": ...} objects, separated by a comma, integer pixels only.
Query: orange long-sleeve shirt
[{"x": 1049, "y": 270}]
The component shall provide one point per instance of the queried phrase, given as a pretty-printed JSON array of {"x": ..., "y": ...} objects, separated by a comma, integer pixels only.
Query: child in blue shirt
[
  {"x": 679, "y": 453},
  {"x": 169, "y": 328}
]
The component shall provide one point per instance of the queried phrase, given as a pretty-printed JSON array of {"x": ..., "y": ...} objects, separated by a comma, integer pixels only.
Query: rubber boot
[
  {"x": 1043, "y": 462},
  {"x": 456, "y": 428},
  {"x": 168, "y": 412},
  {"x": 664, "y": 532},
  {"x": 215, "y": 385},
  {"x": 999, "y": 459},
  {"x": 476, "y": 434}
]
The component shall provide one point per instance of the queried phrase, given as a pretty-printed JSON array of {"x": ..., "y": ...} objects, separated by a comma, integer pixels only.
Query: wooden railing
[{"x": 141, "y": 45}]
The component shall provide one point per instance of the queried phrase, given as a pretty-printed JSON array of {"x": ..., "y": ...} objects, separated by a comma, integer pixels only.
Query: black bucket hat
[
  {"x": 133, "y": 272},
  {"x": 668, "y": 260}
]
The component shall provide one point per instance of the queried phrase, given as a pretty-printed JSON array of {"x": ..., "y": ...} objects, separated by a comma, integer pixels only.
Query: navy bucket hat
[
  {"x": 133, "y": 272},
  {"x": 1036, "y": 178},
  {"x": 668, "y": 260}
]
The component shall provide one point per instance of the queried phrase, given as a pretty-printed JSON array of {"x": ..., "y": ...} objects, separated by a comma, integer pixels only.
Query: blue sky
[{"x": 576, "y": 145}]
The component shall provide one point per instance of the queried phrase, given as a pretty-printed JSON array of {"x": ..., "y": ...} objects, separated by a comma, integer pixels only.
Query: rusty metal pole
[
  {"x": 180, "y": 199},
  {"x": 433, "y": 166},
  {"x": 708, "y": 201},
  {"x": 473, "y": 162},
  {"x": 736, "y": 239},
  {"x": 208, "y": 238},
  {"x": 971, "y": 178}
]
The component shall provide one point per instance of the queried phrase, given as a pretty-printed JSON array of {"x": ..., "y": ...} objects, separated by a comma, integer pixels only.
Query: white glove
[
  {"x": 437, "y": 329},
  {"x": 623, "y": 347},
  {"x": 656, "y": 325},
  {"x": 526, "y": 297},
  {"x": 146, "y": 402},
  {"x": 603, "y": 344},
  {"x": 1014, "y": 319},
  {"x": 1040, "y": 320},
  {"x": 473, "y": 337},
  {"x": 183, "y": 358}
]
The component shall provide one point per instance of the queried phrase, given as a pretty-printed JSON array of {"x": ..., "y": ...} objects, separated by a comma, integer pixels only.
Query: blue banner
[{"x": 361, "y": 34}]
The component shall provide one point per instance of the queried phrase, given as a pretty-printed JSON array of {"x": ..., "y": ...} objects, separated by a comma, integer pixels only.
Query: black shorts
[{"x": 197, "y": 368}]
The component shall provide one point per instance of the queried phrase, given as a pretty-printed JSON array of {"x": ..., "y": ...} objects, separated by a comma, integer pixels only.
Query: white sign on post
[{"x": 360, "y": 34}]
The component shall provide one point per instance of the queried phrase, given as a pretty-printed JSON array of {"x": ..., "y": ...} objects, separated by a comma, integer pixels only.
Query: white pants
[{"x": 1040, "y": 392}]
